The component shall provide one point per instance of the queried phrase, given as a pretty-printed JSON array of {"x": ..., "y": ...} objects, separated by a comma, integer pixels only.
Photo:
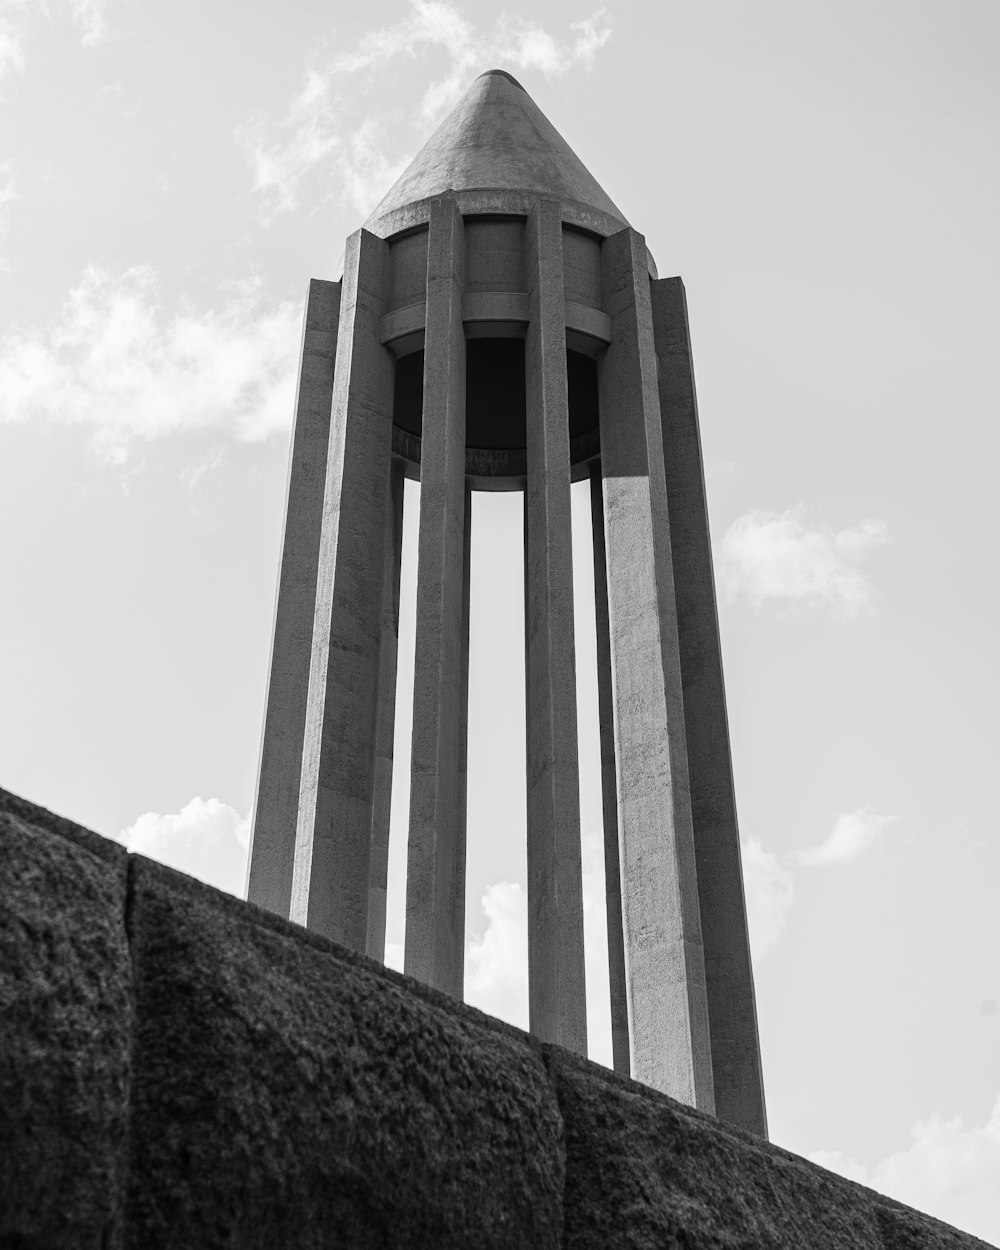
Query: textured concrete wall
[
  {"x": 178, "y": 1068},
  {"x": 66, "y": 1024}
]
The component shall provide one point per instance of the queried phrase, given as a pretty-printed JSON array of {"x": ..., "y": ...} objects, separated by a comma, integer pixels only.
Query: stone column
[
  {"x": 276, "y": 804},
  {"x": 609, "y": 786},
  {"x": 556, "y": 980},
  {"x": 739, "y": 1090},
  {"x": 385, "y": 732},
  {"x": 668, "y": 1013},
  {"x": 435, "y": 884},
  {"x": 333, "y": 838}
]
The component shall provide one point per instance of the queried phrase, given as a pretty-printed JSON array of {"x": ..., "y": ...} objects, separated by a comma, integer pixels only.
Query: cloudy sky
[{"x": 826, "y": 178}]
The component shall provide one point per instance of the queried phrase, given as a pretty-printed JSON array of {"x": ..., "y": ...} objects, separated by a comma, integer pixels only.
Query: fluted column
[
  {"x": 617, "y": 982},
  {"x": 435, "y": 880},
  {"x": 276, "y": 804},
  {"x": 556, "y": 979},
  {"x": 668, "y": 1014},
  {"x": 739, "y": 1090},
  {"x": 331, "y": 873},
  {"x": 385, "y": 731}
]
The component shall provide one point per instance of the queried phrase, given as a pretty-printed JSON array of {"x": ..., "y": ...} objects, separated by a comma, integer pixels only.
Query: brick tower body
[{"x": 500, "y": 326}]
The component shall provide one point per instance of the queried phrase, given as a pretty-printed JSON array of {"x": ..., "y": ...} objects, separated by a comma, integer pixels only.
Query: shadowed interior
[{"x": 495, "y": 393}]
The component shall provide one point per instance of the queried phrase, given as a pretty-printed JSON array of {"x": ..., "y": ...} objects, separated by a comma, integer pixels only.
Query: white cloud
[
  {"x": 365, "y": 171},
  {"x": 770, "y": 893},
  {"x": 394, "y": 955},
  {"x": 121, "y": 365},
  {"x": 324, "y": 128},
  {"x": 852, "y": 834},
  {"x": 512, "y": 41},
  {"x": 842, "y": 1164},
  {"x": 496, "y": 964},
  {"x": 306, "y": 136},
  {"x": 195, "y": 475},
  {"x": 430, "y": 22},
  {"x": 313, "y": 133},
  {"x": 592, "y": 34},
  {"x": 17, "y": 16},
  {"x": 774, "y": 556},
  {"x": 595, "y": 937},
  {"x": 14, "y": 15},
  {"x": 206, "y": 839},
  {"x": 91, "y": 17},
  {"x": 950, "y": 1170},
  {"x": 8, "y": 194}
]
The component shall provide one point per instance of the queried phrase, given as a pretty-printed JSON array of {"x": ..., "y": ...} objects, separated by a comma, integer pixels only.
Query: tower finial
[
  {"x": 502, "y": 74},
  {"x": 496, "y": 151}
]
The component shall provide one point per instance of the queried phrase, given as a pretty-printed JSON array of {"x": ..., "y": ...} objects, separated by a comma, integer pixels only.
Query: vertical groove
[
  {"x": 668, "y": 1012},
  {"x": 609, "y": 786},
  {"x": 333, "y": 837},
  {"x": 388, "y": 653},
  {"x": 556, "y": 972},
  {"x": 276, "y": 801},
  {"x": 435, "y": 886},
  {"x": 736, "y": 1067}
]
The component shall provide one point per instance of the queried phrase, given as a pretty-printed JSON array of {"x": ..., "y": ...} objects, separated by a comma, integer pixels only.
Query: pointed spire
[{"x": 497, "y": 138}]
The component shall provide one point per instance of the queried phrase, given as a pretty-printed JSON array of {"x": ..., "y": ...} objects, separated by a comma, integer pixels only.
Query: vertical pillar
[
  {"x": 435, "y": 885},
  {"x": 331, "y": 874},
  {"x": 556, "y": 978},
  {"x": 739, "y": 1090},
  {"x": 272, "y": 841},
  {"x": 609, "y": 786},
  {"x": 668, "y": 1013},
  {"x": 385, "y": 731}
]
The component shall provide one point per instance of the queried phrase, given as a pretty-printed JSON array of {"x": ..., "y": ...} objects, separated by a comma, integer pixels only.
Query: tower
[{"x": 500, "y": 326}]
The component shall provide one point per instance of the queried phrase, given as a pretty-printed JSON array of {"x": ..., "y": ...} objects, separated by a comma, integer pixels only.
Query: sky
[{"x": 826, "y": 180}]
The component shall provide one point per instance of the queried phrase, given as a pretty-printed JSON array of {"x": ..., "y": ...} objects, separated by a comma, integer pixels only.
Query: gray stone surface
[
  {"x": 617, "y": 980},
  {"x": 408, "y": 269},
  {"x": 272, "y": 845},
  {"x": 385, "y": 731},
  {"x": 556, "y": 979},
  {"x": 668, "y": 1015},
  {"x": 179, "y": 1068},
  {"x": 643, "y": 1172},
  {"x": 494, "y": 258},
  {"x": 65, "y": 1032},
  {"x": 496, "y": 137},
  {"x": 286, "y": 1095},
  {"x": 434, "y": 949},
  {"x": 902, "y": 1228},
  {"x": 330, "y": 880},
  {"x": 736, "y": 1066}
]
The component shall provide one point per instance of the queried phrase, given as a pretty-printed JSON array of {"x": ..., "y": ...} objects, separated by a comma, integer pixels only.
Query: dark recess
[
  {"x": 495, "y": 401},
  {"x": 407, "y": 397},
  {"x": 582, "y": 377}
]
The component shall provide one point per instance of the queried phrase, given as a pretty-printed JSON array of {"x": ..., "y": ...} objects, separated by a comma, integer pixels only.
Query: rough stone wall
[{"x": 180, "y": 1069}]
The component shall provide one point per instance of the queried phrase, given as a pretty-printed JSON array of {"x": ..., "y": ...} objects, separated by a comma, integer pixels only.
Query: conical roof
[{"x": 497, "y": 139}]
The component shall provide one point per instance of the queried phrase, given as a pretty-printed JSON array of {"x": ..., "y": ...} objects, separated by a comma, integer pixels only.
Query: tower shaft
[{"x": 512, "y": 338}]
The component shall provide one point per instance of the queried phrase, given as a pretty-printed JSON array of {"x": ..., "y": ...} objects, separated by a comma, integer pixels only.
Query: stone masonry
[{"x": 182, "y": 1069}]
